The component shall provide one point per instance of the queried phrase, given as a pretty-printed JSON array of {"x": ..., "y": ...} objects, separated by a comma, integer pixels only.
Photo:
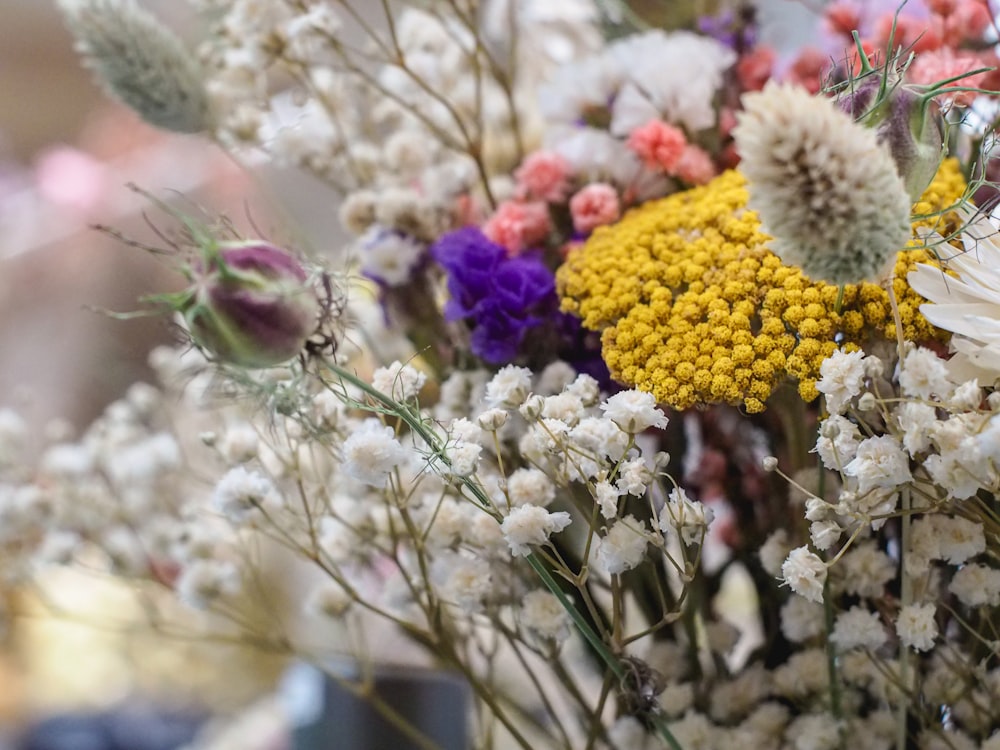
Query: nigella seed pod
[
  {"x": 252, "y": 305},
  {"x": 905, "y": 120}
]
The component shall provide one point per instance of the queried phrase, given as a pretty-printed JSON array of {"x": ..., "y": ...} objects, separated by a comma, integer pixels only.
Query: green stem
[{"x": 831, "y": 652}]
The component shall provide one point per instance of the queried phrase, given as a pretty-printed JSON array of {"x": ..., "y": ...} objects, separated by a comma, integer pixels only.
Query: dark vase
[{"x": 327, "y": 715}]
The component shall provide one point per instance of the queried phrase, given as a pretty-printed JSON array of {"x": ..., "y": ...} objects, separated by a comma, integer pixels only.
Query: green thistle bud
[{"x": 251, "y": 304}]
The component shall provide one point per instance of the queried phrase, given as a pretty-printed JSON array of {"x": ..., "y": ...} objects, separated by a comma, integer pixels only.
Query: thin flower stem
[
  {"x": 831, "y": 653},
  {"x": 542, "y": 695}
]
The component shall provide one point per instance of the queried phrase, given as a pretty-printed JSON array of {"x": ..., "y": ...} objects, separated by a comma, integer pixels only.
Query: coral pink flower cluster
[
  {"x": 593, "y": 206},
  {"x": 949, "y": 41},
  {"x": 543, "y": 175},
  {"x": 518, "y": 225},
  {"x": 661, "y": 145},
  {"x": 543, "y": 180}
]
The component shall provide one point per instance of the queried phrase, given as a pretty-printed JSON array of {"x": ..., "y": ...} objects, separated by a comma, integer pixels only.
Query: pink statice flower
[
  {"x": 593, "y": 206},
  {"x": 658, "y": 144},
  {"x": 518, "y": 225},
  {"x": 910, "y": 33},
  {"x": 754, "y": 68},
  {"x": 695, "y": 167},
  {"x": 966, "y": 21},
  {"x": 809, "y": 69},
  {"x": 841, "y": 18},
  {"x": 945, "y": 63},
  {"x": 543, "y": 175}
]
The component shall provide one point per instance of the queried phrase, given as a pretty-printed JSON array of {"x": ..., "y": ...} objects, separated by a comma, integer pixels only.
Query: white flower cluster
[{"x": 922, "y": 450}]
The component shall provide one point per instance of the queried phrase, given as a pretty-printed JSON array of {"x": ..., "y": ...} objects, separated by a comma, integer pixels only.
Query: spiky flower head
[
  {"x": 826, "y": 190},
  {"x": 140, "y": 62}
]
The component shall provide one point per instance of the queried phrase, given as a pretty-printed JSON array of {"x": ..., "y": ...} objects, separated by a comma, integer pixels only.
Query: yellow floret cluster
[{"x": 695, "y": 309}]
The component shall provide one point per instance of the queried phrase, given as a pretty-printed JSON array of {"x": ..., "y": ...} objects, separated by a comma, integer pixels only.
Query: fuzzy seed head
[
  {"x": 140, "y": 62},
  {"x": 825, "y": 189}
]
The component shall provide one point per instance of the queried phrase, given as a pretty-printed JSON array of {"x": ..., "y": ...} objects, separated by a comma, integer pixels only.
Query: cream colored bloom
[
  {"x": 824, "y": 187},
  {"x": 967, "y": 303}
]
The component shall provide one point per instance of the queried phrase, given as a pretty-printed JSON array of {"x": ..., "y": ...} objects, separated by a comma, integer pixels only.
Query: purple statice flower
[
  {"x": 735, "y": 29},
  {"x": 502, "y": 297}
]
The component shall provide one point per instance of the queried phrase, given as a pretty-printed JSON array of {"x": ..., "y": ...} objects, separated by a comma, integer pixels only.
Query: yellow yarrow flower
[{"x": 695, "y": 309}]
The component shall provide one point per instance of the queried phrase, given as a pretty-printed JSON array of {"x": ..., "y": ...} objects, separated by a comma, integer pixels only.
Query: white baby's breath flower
[
  {"x": 623, "y": 547},
  {"x": 328, "y": 599},
  {"x": 865, "y": 570},
  {"x": 633, "y": 477},
  {"x": 607, "y": 496},
  {"x": 492, "y": 420},
  {"x": 143, "y": 460},
  {"x": 372, "y": 452},
  {"x": 509, "y": 387},
  {"x": 802, "y": 619},
  {"x": 463, "y": 457},
  {"x": 916, "y": 627},
  {"x": 976, "y": 585},
  {"x": 357, "y": 213},
  {"x": 804, "y": 573},
  {"x": 586, "y": 388},
  {"x": 555, "y": 378},
  {"x": 959, "y": 538},
  {"x": 634, "y": 411},
  {"x": 916, "y": 419},
  {"x": 241, "y": 491},
  {"x": 13, "y": 433},
  {"x": 532, "y": 407},
  {"x": 803, "y": 674},
  {"x": 140, "y": 62},
  {"x": 202, "y": 582},
  {"x": 529, "y": 525},
  {"x": 543, "y": 614},
  {"x": 880, "y": 462},
  {"x": 923, "y": 374},
  {"x": 966, "y": 396},
  {"x": 565, "y": 407},
  {"x": 239, "y": 443},
  {"x": 68, "y": 460},
  {"x": 467, "y": 583},
  {"x": 858, "y": 628},
  {"x": 529, "y": 486},
  {"x": 824, "y": 534},
  {"x": 842, "y": 376},
  {"x": 400, "y": 382},
  {"x": 388, "y": 256},
  {"x": 826, "y": 190},
  {"x": 773, "y": 551},
  {"x": 686, "y": 517},
  {"x": 814, "y": 731},
  {"x": 837, "y": 442}
]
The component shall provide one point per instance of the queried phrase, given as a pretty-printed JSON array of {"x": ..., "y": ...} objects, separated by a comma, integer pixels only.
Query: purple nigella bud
[
  {"x": 906, "y": 121},
  {"x": 251, "y": 305}
]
